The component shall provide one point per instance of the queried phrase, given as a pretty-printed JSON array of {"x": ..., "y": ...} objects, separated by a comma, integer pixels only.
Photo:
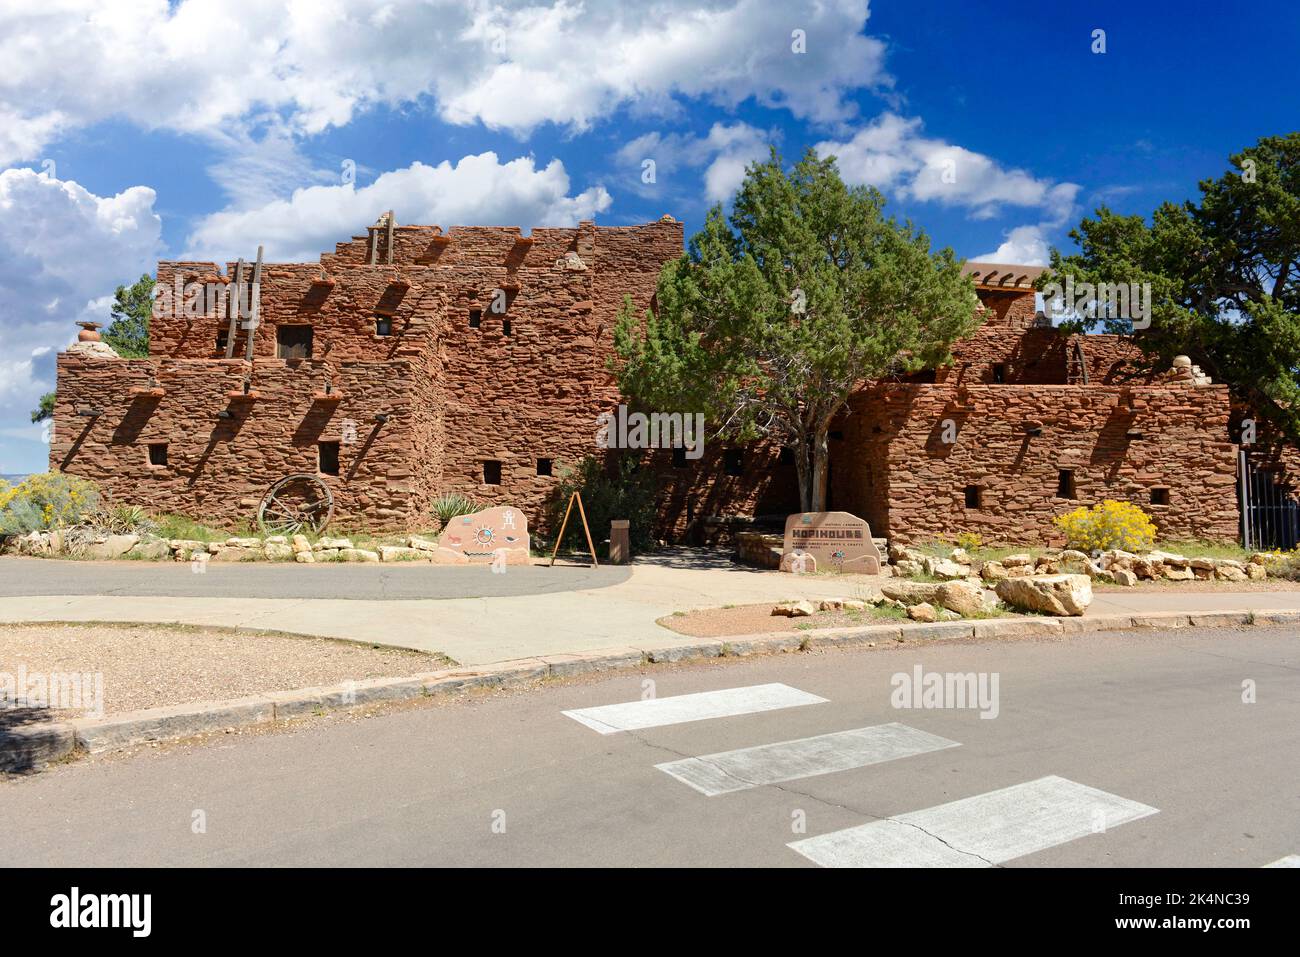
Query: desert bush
[
  {"x": 122, "y": 520},
  {"x": 1109, "y": 524},
  {"x": 49, "y": 500},
  {"x": 969, "y": 541},
  {"x": 610, "y": 490},
  {"x": 446, "y": 507}
]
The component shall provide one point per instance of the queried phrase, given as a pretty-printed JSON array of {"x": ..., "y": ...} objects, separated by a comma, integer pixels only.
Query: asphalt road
[
  {"x": 1153, "y": 721},
  {"x": 21, "y": 577}
]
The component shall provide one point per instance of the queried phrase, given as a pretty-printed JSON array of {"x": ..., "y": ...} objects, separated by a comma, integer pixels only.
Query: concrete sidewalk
[{"x": 477, "y": 631}]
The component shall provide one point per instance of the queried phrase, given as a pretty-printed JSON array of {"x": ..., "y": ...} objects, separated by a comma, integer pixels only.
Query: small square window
[
  {"x": 223, "y": 337},
  {"x": 475, "y": 318},
  {"x": 383, "y": 325},
  {"x": 1065, "y": 483},
  {"x": 491, "y": 472},
  {"x": 328, "y": 458},
  {"x": 999, "y": 373},
  {"x": 1160, "y": 496},
  {"x": 158, "y": 453},
  {"x": 544, "y": 467},
  {"x": 505, "y": 326},
  {"x": 734, "y": 461},
  {"x": 679, "y": 458},
  {"x": 973, "y": 496}
]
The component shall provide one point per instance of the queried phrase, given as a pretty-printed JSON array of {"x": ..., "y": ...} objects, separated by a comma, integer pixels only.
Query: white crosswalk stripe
[
  {"x": 978, "y": 831},
  {"x": 1291, "y": 860},
  {"x": 655, "y": 712},
  {"x": 727, "y": 771}
]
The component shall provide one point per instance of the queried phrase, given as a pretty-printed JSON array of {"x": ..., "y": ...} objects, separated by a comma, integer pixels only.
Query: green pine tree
[{"x": 772, "y": 318}]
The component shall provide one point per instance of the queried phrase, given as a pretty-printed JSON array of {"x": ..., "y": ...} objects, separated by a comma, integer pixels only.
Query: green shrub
[
  {"x": 49, "y": 500},
  {"x": 610, "y": 490},
  {"x": 446, "y": 507}
]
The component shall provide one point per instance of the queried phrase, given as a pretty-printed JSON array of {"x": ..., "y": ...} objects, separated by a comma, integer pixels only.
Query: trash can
[{"x": 620, "y": 543}]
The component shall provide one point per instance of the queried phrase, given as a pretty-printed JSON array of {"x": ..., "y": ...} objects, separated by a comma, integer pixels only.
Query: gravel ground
[{"x": 149, "y": 666}]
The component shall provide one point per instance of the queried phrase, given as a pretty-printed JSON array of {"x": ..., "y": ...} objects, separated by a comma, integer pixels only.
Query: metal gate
[{"x": 1270, "y": 515}]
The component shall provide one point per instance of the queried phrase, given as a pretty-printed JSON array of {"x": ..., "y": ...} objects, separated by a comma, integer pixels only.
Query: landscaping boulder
[
  {"x": 993, "y": 571},
  {"x": 1123, "y": 576},
  {"x": 230, "y": 554},
  {"x": 906, "y": 569},
  {"x": 944, "y": 568},
  {"x": 1256, "y": 572},
  {"x": 909, "y": 593},
  {"x": 300, "y": 544},
  {"x": 326, "y": 544},
  {"x": 1230, "y": 573},
  {"x": 852, "y": 604},
  {"x": 151, "y": 550},
  {"x": 358, "y": 555},
  {"x": 401, "y": 553},
  {"x": 244, "y": 542},
  {"x": 794, "y": 609},
  {"x": 960, "y": 556},
  {"x": 922, "y": 612},
  {"x": 961, "y": 597},
  {"x": 115, "y": 546},
  {"x": 305, "y": 558},
  {"x": 423, "y": 544},
  {"x": 277, "y": 551},
  {"x": 1051, "y": 594},
  {"x": 1015, "y": 561},
  {"x": 1179, "y": 574}
]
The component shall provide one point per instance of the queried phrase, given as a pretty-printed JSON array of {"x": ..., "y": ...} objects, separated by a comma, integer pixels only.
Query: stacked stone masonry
[{"x": 479, "y": 351}]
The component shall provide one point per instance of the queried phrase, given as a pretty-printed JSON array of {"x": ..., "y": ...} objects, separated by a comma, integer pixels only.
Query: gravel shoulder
[{"x": 150, "y": 666}]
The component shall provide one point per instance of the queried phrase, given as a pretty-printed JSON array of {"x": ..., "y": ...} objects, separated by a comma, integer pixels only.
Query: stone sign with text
[{"x": 829, "y": 541}]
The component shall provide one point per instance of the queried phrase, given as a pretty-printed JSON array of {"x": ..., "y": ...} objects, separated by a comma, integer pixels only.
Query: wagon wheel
[{"x": 294, "y": 503}]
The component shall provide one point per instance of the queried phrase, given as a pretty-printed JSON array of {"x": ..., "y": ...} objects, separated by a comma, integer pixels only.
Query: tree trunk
[
  {"x": 820, "y": 461},
  {"x": 804, "y": 471}
]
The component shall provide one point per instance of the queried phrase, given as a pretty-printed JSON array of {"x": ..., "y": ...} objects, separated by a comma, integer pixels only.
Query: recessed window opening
[
  {"x": 1160, "y": 496},
  {"x": 491, "y": 472},
  {"x": 158, "y": 454},
  {"x": 544, "y": 467},
  {"x": 475, "y": 318},
  {"x": 1065, "y": 483},
  {"x": 383, "y": 325},
  {"x": 999, "y": 373},
  {"x": 973, "y": 496},
  {"x": 679, "y": 458},
  {"x": 328, "y": 458},
  {"x": 734, "y": 461}
]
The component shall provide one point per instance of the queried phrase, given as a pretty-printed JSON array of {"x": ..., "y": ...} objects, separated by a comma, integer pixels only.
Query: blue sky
[{"x": 132, "y": 130}]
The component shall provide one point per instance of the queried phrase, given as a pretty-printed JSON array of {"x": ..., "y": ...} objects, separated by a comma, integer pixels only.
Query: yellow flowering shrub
[
  {"x": 969, "y": 541},
  {"x": 49, "y": 500},
  {"x": 1109, "y": 524}
]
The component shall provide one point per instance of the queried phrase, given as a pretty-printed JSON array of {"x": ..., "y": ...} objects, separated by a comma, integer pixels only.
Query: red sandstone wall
[
  {"x": 1184, "y": 448},
  {"x": 218, "y": 469}
]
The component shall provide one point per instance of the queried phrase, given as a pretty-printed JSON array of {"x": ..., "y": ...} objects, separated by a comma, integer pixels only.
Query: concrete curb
[{"x": 31, "y": 747}]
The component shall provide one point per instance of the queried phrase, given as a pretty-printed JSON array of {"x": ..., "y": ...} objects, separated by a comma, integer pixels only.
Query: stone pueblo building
[{"x": 412, "y": 362}]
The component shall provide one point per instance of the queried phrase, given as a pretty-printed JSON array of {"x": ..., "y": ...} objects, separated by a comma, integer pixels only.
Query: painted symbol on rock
[{"x": 485, "y": 537}]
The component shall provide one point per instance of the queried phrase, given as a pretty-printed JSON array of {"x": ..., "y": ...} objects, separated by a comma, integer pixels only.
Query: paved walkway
[{"x": 480, "y": 630}]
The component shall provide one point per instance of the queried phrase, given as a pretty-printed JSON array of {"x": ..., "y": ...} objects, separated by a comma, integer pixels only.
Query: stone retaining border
[{"x": 31, "y": 747}]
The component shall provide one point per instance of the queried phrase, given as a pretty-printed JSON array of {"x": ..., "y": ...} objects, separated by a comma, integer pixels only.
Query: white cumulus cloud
[
  {"x": 478, "y": 190},
  {"x": 201, "y": 66}
]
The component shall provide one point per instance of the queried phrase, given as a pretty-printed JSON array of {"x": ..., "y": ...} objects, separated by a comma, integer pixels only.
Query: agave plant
[{"x": 446, "y": 507}]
